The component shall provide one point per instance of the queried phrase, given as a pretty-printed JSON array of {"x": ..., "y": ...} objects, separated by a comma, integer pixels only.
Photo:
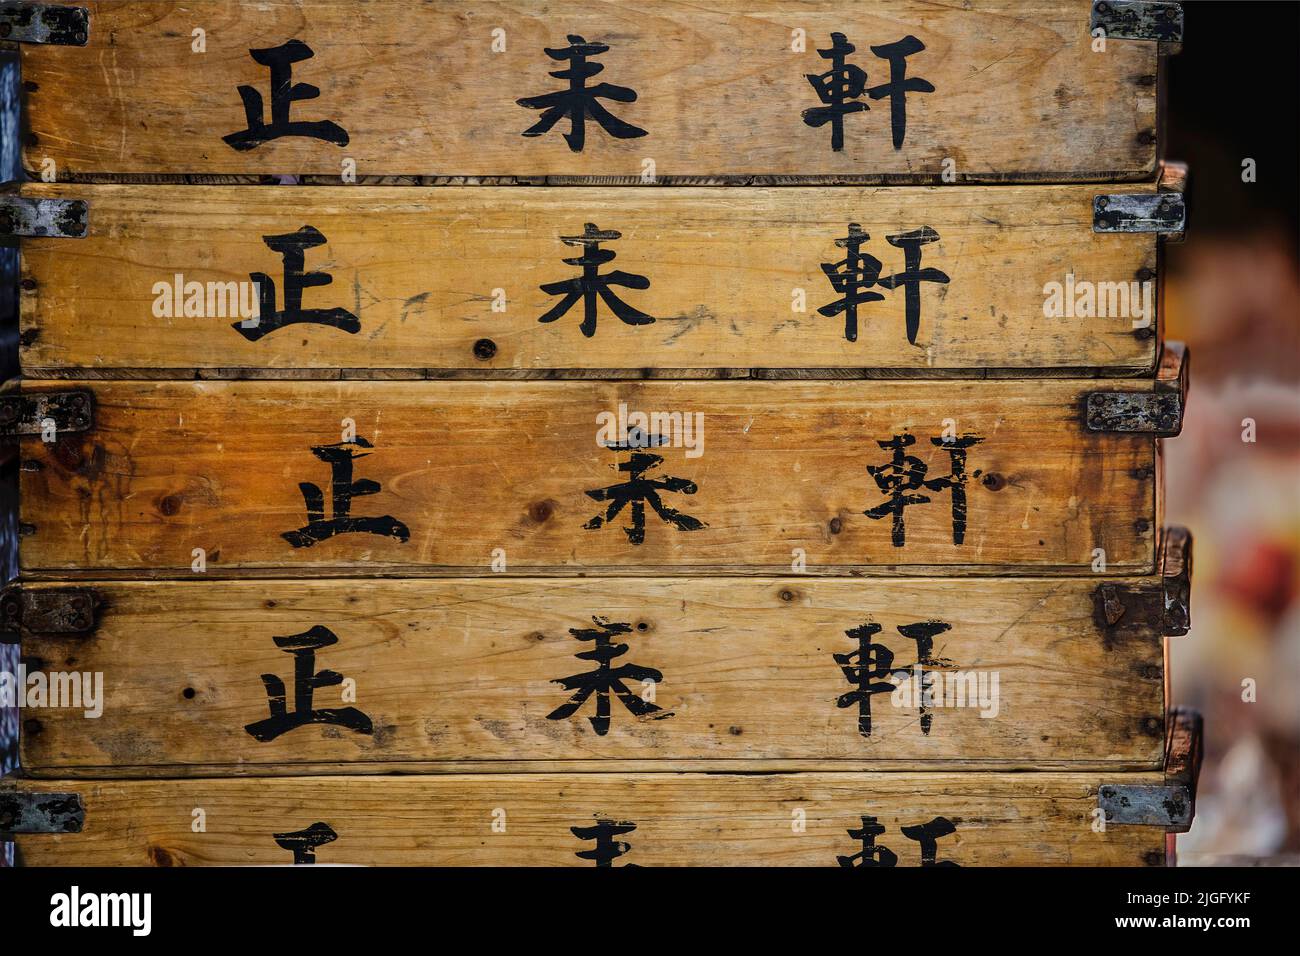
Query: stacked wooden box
[{"x": 597, "y": 441}]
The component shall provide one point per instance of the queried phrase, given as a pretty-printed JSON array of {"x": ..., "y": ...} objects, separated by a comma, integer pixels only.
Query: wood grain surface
[
  {"x": 804, "y": 819},
  {"x": 1011, "y": 91},
  {"x": 447, "y": 674},
  {"x": 451, "y": 280},
  {"x": 456, "y": 477}
]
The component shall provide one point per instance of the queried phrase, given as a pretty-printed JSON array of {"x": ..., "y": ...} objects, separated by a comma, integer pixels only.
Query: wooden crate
[
  {"x": 482, "y": 674},
  {"x": 1024, "y": 476},
  {"x": 987, "y": 91},
  {"x": 365, "y": 585},
  {"x": 583, "y": 819},
  {"x": 161, "y": 281}
]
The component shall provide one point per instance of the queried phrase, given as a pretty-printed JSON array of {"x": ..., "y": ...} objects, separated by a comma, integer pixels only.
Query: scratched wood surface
[
  {"x": 803, "y": 819},
  {"x": 451, "y": 279},
  {"x": 450, "y": 672},
  {"x": 718, "y": 90},
  {"x": 450, "y": 477}
]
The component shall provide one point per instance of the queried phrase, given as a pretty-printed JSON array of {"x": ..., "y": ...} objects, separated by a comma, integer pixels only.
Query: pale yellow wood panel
[
  {"x": 431, "y": 277},
  {"x": 719, "y": 90},
  {"x": 452, "y": 476},
  {"x": 724, "y": 669},
  {"x": 679, "y": 819}
]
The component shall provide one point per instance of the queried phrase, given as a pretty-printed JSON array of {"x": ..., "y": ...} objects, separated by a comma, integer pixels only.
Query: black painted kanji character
[
  {"x": 342, "y": 490},
  {"x": 303, "y": 843},
  {"x": 284, "y": 92},
  {"x": 605, "y": 680},
  {"x": 900, "y": 84},
  {"x": 591, "y": 285},
  {"x": 637, "y": 491},
  {"x": 579, "y": 101},
  {"x": 924, "y": 633},
  {"x": 906, "y": 473},
  {"x": 928, "y": 834},
  {"x": 292, "y": 247},
  {"x": 852, "y": 277},
  {"x": 838, "y": 88},
  {"x": 306, "y": 679},
  {"x": 913, "y": 275},
  {"x": 870, "y": 855},
  {"x": 607, "y": 849},
  {"x": 863, "y": 668}
]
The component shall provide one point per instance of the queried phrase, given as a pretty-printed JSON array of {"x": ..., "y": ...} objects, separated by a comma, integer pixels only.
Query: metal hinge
[
  {"x": 43, "y": 413},
  {"x": 32, "y": 218},
  {"x": 1166, "y": 806},
  {"x": 1162, "y": 608},
  {"x": 1171, "y": 805},
  {"x": 1148, "y": 413},
  {"x": 47, "y": 611},
  {"x": 1162, "y": 213},
  {"x": 1158, "y": 413},
  {"x": 29, "y": 812},
  {"x": 44, "y": 23},
  {"x": 1137, "y": 20}
]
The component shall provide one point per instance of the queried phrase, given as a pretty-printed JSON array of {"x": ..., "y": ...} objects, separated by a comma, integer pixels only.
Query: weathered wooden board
[
  {"x": 450, "y": 674},
  {"x": 529, "y": 477},
  {"x": 983, "y": 91},
  {"x": 655, "y": 819},
  {"x": 457, "y": 279}
]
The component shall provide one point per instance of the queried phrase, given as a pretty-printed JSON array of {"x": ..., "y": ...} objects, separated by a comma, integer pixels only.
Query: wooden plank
[
  {"x": 453, "y": 476},
  {"x": 452, "y": 279},
  {"x": 1020, "y": 673},
  {"x": 718, "y": 92},
  {"x": 986, "y": 819}
]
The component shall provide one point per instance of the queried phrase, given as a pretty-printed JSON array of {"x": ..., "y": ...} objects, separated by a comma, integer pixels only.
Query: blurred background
[{"x": 1233, "y": 295}]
